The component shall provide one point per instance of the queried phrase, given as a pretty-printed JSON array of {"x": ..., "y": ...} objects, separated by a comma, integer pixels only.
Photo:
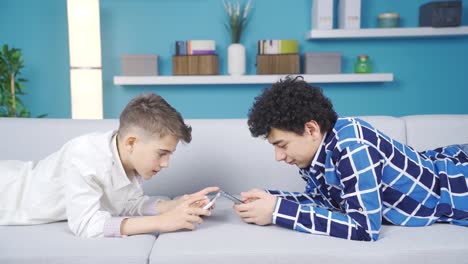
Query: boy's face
[
  {"x": 296, "y": 149},
  {"x": 151, "y": 154}
]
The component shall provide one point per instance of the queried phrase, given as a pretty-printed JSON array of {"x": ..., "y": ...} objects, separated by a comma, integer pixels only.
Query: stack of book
[
  {"x": 195, "y": 57},
  {"x": 195, "y": 47},
  {"x": 277, "y": 57},
  {"x": 276, "y": 47}
]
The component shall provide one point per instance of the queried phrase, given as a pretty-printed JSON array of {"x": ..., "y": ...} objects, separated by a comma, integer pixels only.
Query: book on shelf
[
  {"x": 276, "y": 46},
  {"x": 195, "y": 47}
]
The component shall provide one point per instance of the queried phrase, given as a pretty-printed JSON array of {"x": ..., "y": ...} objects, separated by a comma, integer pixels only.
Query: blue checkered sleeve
[
  {"x": 312, "y": 198},
  {"x": 359, "y": 168}
]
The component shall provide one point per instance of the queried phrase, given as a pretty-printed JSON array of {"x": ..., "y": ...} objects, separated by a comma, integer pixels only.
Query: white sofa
[{"x": 223, "y": 153}]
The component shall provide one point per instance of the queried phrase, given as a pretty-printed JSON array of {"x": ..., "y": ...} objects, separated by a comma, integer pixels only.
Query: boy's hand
[
  {"x": 164, "y": 206},
  {"x": 248, "y": 199},
  {"x": 204, "y": 192},
  {"x": 184, "y": 215},
  {"x": 258, "y": 208}
]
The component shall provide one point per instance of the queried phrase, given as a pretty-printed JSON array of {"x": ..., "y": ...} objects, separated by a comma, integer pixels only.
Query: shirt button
[{"x": 360, "y": 209}]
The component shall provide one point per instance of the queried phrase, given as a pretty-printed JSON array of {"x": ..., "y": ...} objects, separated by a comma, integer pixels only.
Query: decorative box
[
  {"x": 440, "y": 14},
  {"x": 389, "y": 20},
  {"x": 322, "y": 14},
  {"x": 349, "y": 14},
  {"x": 322, "y": 62},
  {"x": 278, "y": 64},
  {"x": 139, "y": 65},
  {"x": 195, "y": 65}
]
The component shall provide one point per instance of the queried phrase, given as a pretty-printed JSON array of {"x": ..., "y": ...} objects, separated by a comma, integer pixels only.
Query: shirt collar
[
  {"x": 119, "y": 178},
  {"x": 305, "y": 171}
]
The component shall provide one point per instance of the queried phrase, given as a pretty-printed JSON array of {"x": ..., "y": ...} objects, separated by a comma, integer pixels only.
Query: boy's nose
[
  {"x": 279, "y": 155},
  {"x": 164, "y": 163}
]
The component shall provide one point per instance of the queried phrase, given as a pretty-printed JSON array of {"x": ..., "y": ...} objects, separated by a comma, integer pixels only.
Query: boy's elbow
[
  {"x": 374, "y": 237},
  {"x": 84, "y": 231},
  {"x": 362, "y": 234}
]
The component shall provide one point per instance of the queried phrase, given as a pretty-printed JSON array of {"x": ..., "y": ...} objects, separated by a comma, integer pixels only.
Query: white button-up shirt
[{"x": 84, "y": 182}]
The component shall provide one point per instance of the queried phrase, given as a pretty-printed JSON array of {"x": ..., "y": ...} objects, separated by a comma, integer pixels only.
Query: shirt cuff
[
  {"x": 273, "y": 192},
  {"x": 112, "y": 227},
  {"x": 285, "y": 213},
  {"x": 149, "y": 207}
]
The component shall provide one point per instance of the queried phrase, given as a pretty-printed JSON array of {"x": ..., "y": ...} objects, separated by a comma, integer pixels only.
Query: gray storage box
[
  {"x": 322, "y": 62},
  {"x": 139, "y": 65}
]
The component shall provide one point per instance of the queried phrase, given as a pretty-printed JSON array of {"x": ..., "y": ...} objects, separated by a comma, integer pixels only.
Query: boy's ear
[
  {"x": 130, "y": 141},
  {"x": 312, "y": 128}
]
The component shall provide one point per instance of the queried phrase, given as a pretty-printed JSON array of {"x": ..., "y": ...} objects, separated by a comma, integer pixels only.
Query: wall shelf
[
  {"x": 387, "y": 32},
  {"x": 249, "y": 79}
]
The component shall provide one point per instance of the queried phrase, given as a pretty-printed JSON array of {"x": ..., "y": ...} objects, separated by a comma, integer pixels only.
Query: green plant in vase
[
  {"x": 237, "y": 20},
  {"x": 238, "y": 17},
  {"x": 11, "y": 84}
]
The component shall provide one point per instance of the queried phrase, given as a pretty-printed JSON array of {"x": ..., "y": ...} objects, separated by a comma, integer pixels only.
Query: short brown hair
[{"x": 154, "y": 115}]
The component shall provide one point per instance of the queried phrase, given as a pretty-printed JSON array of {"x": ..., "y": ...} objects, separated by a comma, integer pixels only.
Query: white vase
[{"x": 236, "y": 59}]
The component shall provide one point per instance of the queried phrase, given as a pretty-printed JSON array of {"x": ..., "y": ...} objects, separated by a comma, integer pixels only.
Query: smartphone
[
  {"x": 231, "y": 197},
  {"x": 208, "y": 205}
]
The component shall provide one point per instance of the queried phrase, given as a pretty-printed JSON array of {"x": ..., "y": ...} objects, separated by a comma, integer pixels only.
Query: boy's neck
[{"x": 124, "y": 159}]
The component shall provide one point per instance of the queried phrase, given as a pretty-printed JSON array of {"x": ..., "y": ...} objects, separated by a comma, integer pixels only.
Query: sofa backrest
[
  {"x": 432, "y": 131},
  {"x": 222, "y": 151},
  {"x": 34, "y": 139}
]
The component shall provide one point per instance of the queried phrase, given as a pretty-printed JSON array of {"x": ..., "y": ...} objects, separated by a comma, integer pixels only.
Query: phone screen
[
  {"x": 208, "y": 206},
  {"x": 231, "y": 197}
]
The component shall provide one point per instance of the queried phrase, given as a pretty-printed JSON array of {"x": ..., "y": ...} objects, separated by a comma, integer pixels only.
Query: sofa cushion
[
  {"x": 54, "y": 243},
  {"x": 224, "y": 238},
  {"x": 431, "y": 131}
]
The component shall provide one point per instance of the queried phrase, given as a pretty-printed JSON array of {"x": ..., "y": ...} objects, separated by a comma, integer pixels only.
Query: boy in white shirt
[{"x": 93, "y": 181}]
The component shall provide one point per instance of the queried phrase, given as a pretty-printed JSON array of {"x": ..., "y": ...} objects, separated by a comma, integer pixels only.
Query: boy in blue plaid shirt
[{"x": 357, "y": 178}]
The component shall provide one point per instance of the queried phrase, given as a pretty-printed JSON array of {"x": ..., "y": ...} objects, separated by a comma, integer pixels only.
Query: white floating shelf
[
  {"x": 249, "y": 79},
  {"x": 387, "y": 32}
]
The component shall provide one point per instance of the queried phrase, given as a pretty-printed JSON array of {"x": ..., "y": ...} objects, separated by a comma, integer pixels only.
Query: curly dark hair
[{"x": 288, "y": 105}]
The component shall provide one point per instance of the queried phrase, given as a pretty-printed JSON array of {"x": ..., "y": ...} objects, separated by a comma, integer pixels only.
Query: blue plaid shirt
[{"x": 361, "y": 178}]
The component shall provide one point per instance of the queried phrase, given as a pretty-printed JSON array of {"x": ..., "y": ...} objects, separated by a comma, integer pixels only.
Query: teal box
[{"x": 389, "y": 20}]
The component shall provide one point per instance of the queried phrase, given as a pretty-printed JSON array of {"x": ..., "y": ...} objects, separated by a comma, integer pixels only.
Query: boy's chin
[
  {"x": 148, "y": 176},
  {"x": 153, "y": 173},
  {"x": 302, "y": 165}
]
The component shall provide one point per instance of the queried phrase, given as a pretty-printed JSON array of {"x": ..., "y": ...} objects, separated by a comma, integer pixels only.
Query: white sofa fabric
[{"x": 223, "y": 153}]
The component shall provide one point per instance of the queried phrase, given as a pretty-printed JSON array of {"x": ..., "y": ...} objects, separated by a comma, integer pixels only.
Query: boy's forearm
[
  {"x": 163, "y": 206},
  {"x": 140, "y": 225}
]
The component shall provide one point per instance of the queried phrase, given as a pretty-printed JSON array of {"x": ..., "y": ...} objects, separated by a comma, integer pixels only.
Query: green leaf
[
  {"x": 12, "y": 62},
  {"x": 16, "y": 55},
  {"x": 25, "y": 113},
  {"x": 19, "y": 101}
]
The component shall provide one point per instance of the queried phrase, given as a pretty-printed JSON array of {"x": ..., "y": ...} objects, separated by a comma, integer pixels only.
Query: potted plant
[
  {"x": 237, "y": 22},
  {"x": 11, "y": 84}
]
